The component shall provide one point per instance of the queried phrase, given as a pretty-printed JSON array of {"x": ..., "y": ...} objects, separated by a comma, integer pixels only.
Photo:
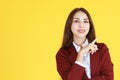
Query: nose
[{"x": 81, "y": 25}]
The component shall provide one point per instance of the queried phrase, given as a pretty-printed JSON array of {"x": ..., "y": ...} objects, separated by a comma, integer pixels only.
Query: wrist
[{"x": 79, "y": 58}]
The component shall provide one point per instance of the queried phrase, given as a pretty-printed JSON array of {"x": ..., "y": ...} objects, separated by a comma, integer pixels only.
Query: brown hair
[{"x": 68, "y": 35}]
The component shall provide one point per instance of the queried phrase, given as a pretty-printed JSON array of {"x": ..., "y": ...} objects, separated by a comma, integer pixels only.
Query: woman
[{"x": 80, "y": 56}]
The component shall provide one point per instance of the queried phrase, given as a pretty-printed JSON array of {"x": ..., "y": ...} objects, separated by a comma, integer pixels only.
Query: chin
[{"x": 82, "y": 36}]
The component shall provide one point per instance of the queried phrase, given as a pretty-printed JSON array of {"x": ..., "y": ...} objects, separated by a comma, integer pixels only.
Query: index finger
[{"x": 94, "y": 41}]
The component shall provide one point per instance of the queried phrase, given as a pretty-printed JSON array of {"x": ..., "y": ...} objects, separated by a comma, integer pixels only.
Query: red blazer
[{"x": 100, "y": 64}]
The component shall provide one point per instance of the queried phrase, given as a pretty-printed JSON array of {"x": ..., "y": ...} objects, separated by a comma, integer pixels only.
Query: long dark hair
[{"x": 68, "y": 35}]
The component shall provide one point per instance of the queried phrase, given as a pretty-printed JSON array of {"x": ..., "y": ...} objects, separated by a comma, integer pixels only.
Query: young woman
[{"x": 80, "y": 56}]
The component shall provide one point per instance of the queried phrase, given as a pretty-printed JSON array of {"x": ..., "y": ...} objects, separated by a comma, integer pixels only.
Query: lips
[{"x": 81, "y": 30}]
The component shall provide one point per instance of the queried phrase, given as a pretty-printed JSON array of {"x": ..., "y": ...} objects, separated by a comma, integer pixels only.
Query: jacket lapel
[{"x": 94, "y": 62}]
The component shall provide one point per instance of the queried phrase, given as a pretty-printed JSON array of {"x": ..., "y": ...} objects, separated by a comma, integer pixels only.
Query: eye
[
  {"x": 76, "y": 21},
  {"x": 86, "y": 21}
]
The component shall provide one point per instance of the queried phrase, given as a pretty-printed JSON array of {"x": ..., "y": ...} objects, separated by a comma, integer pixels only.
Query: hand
[{"x": 90, "y": 48}]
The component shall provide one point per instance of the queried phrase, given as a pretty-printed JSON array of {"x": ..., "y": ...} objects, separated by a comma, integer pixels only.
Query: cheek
[
  {"x": 88, "y": 29},
  {"x": 73, "y": 28}
]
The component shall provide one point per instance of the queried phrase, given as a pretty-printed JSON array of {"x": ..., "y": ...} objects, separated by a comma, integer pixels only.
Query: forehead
[{"x": 80, "y": 15}]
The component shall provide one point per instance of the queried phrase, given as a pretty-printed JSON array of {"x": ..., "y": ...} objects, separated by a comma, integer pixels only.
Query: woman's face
[{"x": 80, "y": 25}]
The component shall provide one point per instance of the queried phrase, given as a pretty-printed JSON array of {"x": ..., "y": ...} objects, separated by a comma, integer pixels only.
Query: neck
[{"x": 79, "y": 41}]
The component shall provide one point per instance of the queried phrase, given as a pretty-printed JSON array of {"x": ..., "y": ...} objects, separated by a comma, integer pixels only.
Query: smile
[{"x": 81, "y": 30}]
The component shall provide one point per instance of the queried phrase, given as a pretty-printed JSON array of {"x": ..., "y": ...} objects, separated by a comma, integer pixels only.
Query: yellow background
[{"x": 31, "y": 34}]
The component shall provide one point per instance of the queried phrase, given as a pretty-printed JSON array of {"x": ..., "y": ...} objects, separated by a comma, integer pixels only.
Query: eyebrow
[{"x": 79, "y": 18}]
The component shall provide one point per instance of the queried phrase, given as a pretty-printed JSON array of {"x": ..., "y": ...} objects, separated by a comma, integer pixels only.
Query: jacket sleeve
[
  {"x": 66, "y": 70},
  {"x": 106, "y": 72}
]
